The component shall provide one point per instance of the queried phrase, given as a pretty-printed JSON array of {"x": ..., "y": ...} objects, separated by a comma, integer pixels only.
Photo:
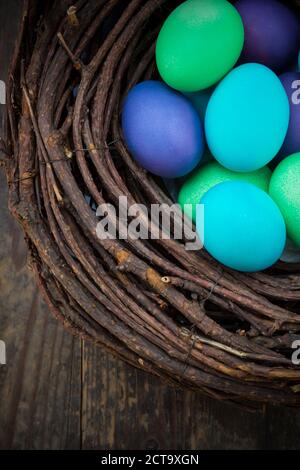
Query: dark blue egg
[
  {"x": 272, "y": 33},
  {"x": 162, "y": 130}
]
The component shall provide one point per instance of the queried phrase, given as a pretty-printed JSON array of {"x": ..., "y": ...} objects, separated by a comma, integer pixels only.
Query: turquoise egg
[
  {"x": 247, "y": 118},
  {"x": 243, "y": 227}
]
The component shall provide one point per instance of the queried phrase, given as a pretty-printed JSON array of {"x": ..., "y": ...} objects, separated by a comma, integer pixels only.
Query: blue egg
[
  {"x": 243, "y": 227},
  {"x": 247, "y": 118},
  {"x": 162, "y": 130}
]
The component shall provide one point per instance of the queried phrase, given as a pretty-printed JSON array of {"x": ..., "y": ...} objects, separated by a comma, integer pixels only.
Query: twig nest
[{"x": 69, "y": 159}]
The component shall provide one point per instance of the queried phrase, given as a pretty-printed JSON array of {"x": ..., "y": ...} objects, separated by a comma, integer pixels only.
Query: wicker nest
[{"x": 175, "y": 313}]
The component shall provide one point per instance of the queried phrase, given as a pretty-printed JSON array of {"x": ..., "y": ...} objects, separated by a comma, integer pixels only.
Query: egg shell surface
[
  {"x": 247, "y": 118},
  {"x": 272, "y": 33},
  {"x": 198, "y": 44},
  {"x": 285, "y": 190},
  {"x": 162, "y": 130},
  {"x": 243, "y": 227}
]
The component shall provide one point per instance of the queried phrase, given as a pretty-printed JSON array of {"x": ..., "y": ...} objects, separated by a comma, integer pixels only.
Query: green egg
[
  {"x": 199, "y": 43},
  {"x": 204, "y": 178},
  {"x": 285, "y": 190}
]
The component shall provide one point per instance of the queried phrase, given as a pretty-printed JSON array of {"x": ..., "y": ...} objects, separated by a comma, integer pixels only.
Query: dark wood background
[{"x": 57, "y": 392}]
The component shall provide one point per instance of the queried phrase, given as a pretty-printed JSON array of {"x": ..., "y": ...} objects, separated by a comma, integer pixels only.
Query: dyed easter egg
[
  {"x": 271, "y": 33},
  {"x": 162, "y": 130},
  {"x": 243, "y": 227},
  {"x": 285, "y": 190},
  {"x": 291, "y": 84},
  {"x": 247, "y": 118},
  {"x": 211, "y": 174},
  {"x": 199, "y": 43}
]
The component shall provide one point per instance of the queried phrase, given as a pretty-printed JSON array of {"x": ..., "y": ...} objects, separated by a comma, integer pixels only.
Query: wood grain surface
[{"x": 57, "y": 392}]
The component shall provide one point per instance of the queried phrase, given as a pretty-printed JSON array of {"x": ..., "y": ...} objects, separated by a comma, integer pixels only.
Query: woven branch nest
[{"x": 175, "y": 313}]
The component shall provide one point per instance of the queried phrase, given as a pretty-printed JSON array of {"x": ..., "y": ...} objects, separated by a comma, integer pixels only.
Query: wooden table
[{"x": 58, "y": 392}]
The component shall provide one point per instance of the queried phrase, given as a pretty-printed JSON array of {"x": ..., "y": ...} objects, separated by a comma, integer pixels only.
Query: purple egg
[
  {"x": 162, "y": 130},
  {"x": 272, "y": 33},
  {"x": 291, "y": 84}
]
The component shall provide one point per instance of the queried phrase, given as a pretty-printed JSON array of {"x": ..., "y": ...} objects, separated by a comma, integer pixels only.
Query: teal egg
[
  {"x": 200, "y": 100},
  {"x": 247, "y": 118},
  {"x": 243, "y": 227}
]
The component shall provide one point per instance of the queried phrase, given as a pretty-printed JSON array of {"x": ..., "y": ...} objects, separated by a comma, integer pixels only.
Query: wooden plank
[
  {"x": 40, "y": 385},
  {"x": 59, "y": 393},
  {"x": 125, "y": 409}
]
